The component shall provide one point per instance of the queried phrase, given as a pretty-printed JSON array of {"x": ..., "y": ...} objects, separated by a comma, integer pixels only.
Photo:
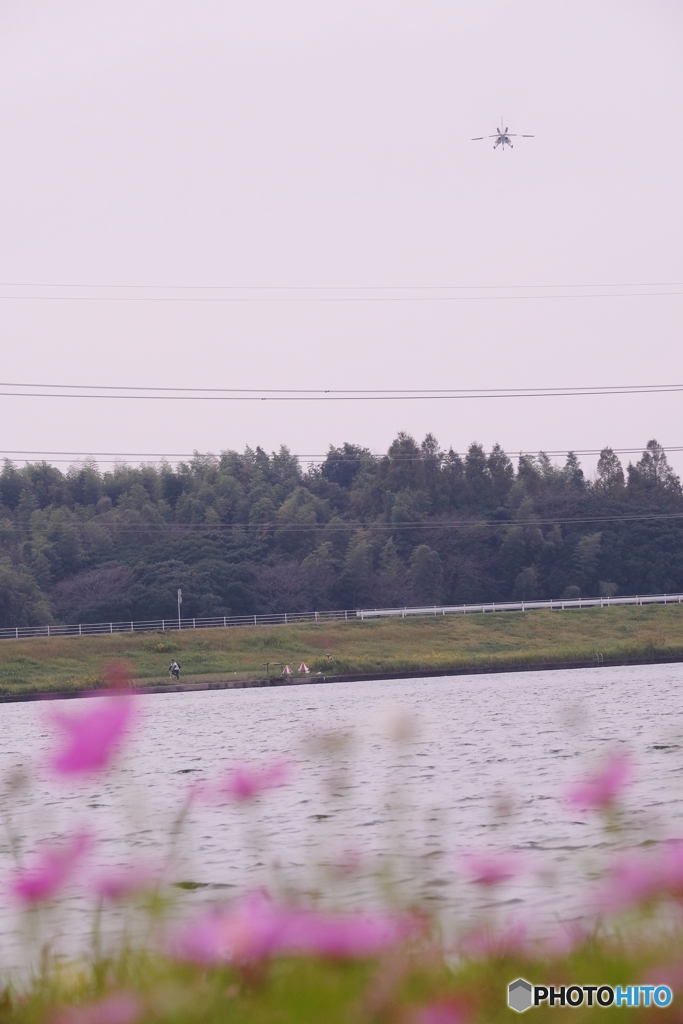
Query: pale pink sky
[{"x": 328, "y": 144}]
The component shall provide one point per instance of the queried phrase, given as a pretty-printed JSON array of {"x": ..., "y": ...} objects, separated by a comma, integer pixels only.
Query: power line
[
  {"x": 377, "y": 299},
  {"x": 342, "y": 287},
  {"x": 334, "y": 455},
  {"x": 336, "y": 293},
  {"x": 588, "y": 389},
  {"x": 139, "y": 393},
  {"x": 468, "y": 524},
  {"x": 109, "y": 455},
  {"x": 566, "y": 389}
]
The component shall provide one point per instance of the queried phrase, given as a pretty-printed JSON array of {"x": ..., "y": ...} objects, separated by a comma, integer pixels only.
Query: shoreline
[{"x": 312, "y": 680}]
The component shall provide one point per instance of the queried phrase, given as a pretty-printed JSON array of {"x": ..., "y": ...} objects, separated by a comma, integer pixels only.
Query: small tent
[{"x": 304, "y": 669}]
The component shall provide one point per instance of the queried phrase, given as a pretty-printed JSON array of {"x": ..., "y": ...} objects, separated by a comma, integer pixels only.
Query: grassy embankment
[{"x": 491, "y": 641}]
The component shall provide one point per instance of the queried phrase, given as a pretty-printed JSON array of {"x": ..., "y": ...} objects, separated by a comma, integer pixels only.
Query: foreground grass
[
  {"x": 492, "y": 641},
  {"x": 420, "y": 987}
]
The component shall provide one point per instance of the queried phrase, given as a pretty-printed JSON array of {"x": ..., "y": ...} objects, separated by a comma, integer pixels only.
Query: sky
[{"x": 269, "y": 195}]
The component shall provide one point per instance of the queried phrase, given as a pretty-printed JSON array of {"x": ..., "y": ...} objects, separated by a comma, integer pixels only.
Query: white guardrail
[{"x": 286, "y": 618}]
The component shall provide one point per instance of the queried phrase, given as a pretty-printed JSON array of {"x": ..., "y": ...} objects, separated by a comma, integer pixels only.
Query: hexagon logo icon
[{"x": 520, "y": 995}]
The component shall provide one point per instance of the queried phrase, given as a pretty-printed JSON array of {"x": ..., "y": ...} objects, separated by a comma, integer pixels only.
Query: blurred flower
[
  {"x": 52, "y": 868},
  {"x": 121, "y": 883},
  {"x": 346, "y": 935},
  {"x": 670, "y": 974},
  {"x": 348, "y": 861},
  {"x": 638, "y": 878},
  {"x": 246, "y": 782},
  {"x": 117, "y": 675},
  {"x": 491, "y": 868},
  {"x": 601, "y": 789},
  {"x": 402, "y": 726},
  {"x": 326, "y": 742},
  {"x": 248, "y": 930},
  {"x": 254, "y": 928},
  {"x": 92, "y": 737},
  {"x": 512, "y": 937},
  {"x": 565, "y": 938},
  {"x": 442, "y": 1011},
  {"x": 117, "y": 1008}
]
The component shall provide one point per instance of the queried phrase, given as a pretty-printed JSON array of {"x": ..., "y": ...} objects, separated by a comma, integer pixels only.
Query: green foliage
[
  {"x": 21, "y": 601},
  {"x": 610, "y": 476},
  {"x": 426, "y": 575},
  {"x": 249, "y": 532}
]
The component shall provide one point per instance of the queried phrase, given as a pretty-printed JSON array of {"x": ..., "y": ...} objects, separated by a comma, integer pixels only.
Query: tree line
[{"x": 252, "y": 532}]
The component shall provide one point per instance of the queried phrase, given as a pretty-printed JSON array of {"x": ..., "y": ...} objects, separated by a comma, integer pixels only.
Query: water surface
[{"x": 481, "y": 763}]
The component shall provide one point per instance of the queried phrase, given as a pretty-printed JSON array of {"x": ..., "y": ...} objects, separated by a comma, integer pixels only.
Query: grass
[
  {"x": 420, "y": 989},
  {"x": 441, "y": 644}
]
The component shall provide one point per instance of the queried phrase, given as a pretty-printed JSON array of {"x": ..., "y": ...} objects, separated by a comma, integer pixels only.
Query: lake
[{"x": 398, "y": 777}]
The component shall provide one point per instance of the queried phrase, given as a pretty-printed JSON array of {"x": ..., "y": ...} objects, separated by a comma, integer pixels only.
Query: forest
[{"x": 245, "y": 533}]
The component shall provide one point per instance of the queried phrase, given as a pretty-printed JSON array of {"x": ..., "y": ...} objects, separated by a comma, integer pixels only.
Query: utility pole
[{"x": 180, "y": 601}]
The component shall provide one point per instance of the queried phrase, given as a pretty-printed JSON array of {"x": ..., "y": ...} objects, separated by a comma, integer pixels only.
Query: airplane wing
[{"x": 477, "y": 138}]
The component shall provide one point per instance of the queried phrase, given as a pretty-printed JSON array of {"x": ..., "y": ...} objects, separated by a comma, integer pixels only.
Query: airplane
[{"x": 502, "y": 137}]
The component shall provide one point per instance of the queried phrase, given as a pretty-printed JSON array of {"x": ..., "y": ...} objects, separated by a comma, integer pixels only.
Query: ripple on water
[{"x": 489, "y": 763}]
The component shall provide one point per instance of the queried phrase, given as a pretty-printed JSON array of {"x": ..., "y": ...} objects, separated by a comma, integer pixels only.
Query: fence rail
[{"x": 347, "y": 615}]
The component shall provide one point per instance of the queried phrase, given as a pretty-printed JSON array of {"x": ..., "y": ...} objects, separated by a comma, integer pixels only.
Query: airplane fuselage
[{"x": 502, "y": 137}]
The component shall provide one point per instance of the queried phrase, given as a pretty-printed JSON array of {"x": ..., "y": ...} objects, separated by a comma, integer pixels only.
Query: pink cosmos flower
[
  {"x": 442, "y": 1011},
  {"x": 638, "y": 878},
  {"x": 345, "y": 936},
  {"x": 248, "y": 930},
  {"x": 491, "y": 868},
  {"x": 670, "y": 974},
  {"x": 52, "y": 868},
  {"x": 254, "y": 928},
  {"x": 121, "y": 883},
  {"x": 92, "y": 738},
  {"x": 245, "y": 782},
  {"x": 117, "y": 1008},
  {"x": 565, "y": 939},
  {"x": 599, "y": 791}
]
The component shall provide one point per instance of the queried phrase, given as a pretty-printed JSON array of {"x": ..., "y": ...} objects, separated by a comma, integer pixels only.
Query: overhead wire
[
  {"x": 342, "y": 527},
  {"x": 563, "y": 389},
  {"x": 367, "y": 293},
  {"x": 334, "y": 293},
  {"x": 301, "y": 299},
  {"x": 188, "y": 394},
  {"x": 341, "y": 287},
  {"x": 335, "y": 455}
]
